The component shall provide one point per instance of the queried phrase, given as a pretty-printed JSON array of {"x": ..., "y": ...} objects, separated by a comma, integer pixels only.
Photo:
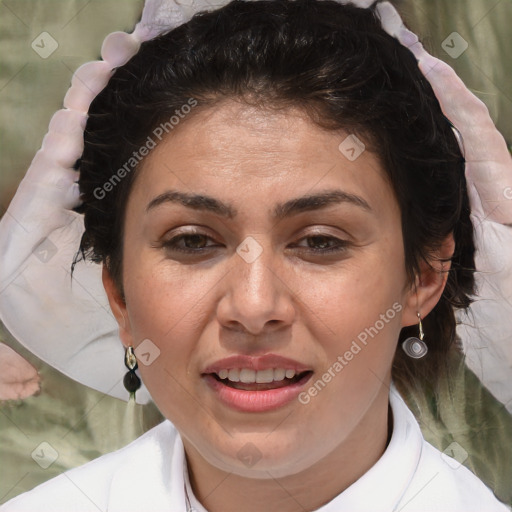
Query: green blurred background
[{"x": 80, "y": 423}]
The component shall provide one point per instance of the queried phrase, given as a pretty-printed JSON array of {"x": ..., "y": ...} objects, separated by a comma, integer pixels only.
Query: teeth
[
  {"x": 279, "y": 374},
  {"x": 248, "y": 376},
  {"x": 265, "y": 376},
  {"x": 234, "y": 375}
]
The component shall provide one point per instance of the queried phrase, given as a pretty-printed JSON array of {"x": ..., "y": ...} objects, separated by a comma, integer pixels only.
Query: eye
[
  {"x": 197, "y": 243},
  {"x": 322, "y": 244},
  {"x": 192, "y": 243}
]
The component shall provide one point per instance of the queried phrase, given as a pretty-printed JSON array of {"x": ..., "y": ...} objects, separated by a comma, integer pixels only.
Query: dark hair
[{"x": 336, "y": 63}]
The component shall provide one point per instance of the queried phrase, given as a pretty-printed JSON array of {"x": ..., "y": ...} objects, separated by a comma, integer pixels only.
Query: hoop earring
[
  {"x": 416, "y": 347},
  {"x": 131, "y": 381}
]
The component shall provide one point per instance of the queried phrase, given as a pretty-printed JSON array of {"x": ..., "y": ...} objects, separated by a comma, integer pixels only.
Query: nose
[{"x": 257, "y": 299}]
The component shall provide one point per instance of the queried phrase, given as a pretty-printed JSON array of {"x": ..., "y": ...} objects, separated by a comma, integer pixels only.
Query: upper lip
[{"x": 256, "y": 363}]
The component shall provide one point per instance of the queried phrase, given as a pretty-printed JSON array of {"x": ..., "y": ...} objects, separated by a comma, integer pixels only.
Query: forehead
[{"x": 253, "y": 156}]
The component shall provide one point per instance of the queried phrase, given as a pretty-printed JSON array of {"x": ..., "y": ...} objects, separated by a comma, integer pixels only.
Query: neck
[{"x": 221, "y": 491}]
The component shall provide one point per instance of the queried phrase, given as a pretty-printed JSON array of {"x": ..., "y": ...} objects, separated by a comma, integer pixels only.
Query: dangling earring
[
  {"x": 416, "y": 347},
  {"x": 131, "y": 381}
]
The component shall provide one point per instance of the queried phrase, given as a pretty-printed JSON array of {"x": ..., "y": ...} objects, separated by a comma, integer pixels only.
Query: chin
[{"x": 260, "y": 456}]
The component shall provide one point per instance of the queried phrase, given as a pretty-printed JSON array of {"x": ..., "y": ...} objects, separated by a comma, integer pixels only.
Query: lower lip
[{"x": 256, "y": 401}]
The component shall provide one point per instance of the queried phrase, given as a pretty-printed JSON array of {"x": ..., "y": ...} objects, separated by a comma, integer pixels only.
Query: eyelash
[{"x": 172, "y": 244}]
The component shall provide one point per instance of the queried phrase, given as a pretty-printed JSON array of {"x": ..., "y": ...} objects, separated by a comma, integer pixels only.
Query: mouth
[
  {"x": 256, "y": 384},
  {"x": 246, "y": 379}
]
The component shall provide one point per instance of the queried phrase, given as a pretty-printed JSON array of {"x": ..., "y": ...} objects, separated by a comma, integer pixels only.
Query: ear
[
  {"x": 429, "y": 285},
  {"x": 118, "y": 307}
]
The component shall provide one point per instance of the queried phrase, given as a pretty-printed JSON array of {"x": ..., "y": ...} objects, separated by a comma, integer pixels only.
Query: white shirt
[{"x": 149, "y": 475}]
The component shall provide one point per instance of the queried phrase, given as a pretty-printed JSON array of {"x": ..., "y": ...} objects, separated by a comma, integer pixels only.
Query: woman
[{"x": 280, "y": 208}]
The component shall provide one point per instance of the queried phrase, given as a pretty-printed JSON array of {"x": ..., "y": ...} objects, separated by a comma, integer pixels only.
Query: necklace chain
[{"x": 187, "y": 500}]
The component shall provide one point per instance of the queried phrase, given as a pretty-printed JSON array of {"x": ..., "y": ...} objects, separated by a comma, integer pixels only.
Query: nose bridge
[
  {"x": 255, "y": 272},
  {"x": 256, "y": 295}
]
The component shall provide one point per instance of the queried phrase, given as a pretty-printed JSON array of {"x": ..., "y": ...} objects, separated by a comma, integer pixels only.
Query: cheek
[
  {"x": 170, "y": 306},
  {"x": 357, "y": 322},
  {"x": 354, "y": 297},
  {"x": 163, "y": 309},
  {"x": 160, "y": 297}
]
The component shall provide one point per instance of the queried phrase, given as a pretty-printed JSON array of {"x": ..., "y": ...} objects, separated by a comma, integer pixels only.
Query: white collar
[{"x": 383, "y": 485}]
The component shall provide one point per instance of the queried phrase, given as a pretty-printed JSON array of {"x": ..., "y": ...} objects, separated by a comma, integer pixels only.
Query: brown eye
[
  {"x": 324, "y": 244},
  {"x": 190, "y": 243},
  {"x": 320, "y": 242},
  {"x": 195, "y": 241}
]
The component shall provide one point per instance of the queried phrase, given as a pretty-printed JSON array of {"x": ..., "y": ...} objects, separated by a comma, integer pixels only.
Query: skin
[{"x": 198, "y": 309}]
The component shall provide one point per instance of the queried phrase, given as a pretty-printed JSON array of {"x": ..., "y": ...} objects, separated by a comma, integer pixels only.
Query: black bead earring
[{"x": 131, "y": 381}]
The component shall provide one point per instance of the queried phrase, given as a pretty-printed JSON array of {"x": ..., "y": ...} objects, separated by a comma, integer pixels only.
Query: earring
[
  {"x": 416, "y": 347},
  {"x": 131, "y": 381}
]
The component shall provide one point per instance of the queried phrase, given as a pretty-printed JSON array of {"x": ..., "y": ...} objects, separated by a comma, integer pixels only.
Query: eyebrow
[{"x": 292, "y": 207}]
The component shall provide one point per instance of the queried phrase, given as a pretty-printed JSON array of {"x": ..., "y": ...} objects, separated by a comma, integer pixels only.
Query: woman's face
[{"x": 256, "y": 249}]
